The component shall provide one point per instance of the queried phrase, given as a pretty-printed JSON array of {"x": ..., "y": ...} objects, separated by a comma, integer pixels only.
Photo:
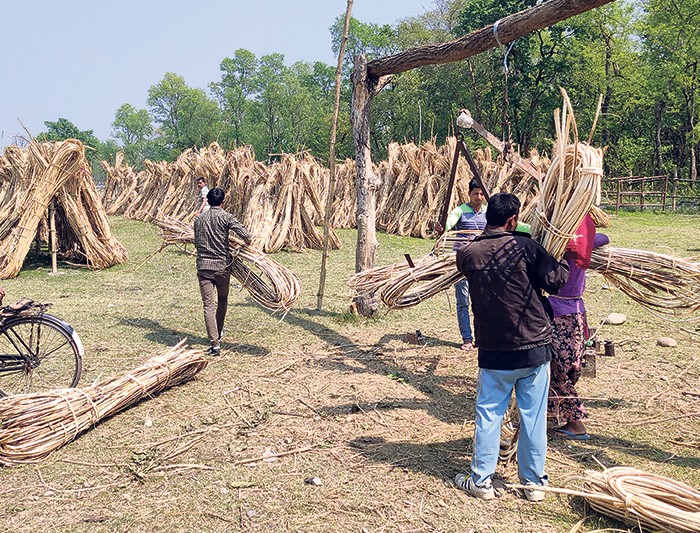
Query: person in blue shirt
[{"x": 470, "y": 220}]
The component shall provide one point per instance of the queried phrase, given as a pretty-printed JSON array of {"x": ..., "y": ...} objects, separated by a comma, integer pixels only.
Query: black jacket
[{"x": 507, "y": 273}]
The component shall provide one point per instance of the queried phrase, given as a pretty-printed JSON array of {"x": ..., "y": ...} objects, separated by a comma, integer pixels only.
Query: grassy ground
[{"x": 384, "y": 424}]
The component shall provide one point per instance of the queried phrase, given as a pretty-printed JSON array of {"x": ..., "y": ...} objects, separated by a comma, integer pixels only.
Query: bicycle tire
[{"x": 50, "y": 351}]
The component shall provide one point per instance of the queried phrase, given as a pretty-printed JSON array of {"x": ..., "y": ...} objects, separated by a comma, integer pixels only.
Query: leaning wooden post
[
  {"x": 366, "y": 182},
  {"x": 52, "y": 235},
  {"x": 331, "y": 161}
]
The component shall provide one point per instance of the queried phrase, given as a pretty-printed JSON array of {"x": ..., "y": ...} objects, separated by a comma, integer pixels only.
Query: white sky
[{"x": 82, "y": 59}]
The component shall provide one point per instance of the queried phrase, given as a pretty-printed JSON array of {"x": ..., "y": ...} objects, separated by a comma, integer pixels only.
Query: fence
[{"x": 659, "y": 192}]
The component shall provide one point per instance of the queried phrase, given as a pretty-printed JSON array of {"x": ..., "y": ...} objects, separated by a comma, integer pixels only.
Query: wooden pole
[
  {"x": 675, "y": 187},
  {"x": 52, "y": 235},
  {"x": 450, "y": 187},
  {"x": 331, "y": 179},
  {"x": 665, "y": 193}
]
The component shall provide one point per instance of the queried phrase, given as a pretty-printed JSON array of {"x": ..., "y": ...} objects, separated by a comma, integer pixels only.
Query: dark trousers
[{"x": 214, "y": 287}]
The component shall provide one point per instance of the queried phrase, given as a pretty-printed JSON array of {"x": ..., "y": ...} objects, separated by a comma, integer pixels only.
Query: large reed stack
[{"x": 35, "y": 176}]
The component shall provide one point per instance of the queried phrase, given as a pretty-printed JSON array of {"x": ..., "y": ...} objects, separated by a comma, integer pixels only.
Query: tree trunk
[
  {"x": 509, "y": 29},
  {"x": 364, "y": 89},
  {"x": 658, "y": 152}
]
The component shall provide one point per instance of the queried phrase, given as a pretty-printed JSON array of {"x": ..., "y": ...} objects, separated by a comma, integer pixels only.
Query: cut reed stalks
[
  {"x": 34, "y": 425},
  {"x": 640, "y": 498},
  {"x": 570, "y": 188},
  {"x": 660, "y": 282}
]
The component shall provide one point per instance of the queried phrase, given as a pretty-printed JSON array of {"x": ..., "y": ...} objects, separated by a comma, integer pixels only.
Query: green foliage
[
  {"x": 64, "y": 129},
  {"x": 186, "y": 117},
  {"x": 134, "y": 128},
  {"x": 641, "y": 58}
]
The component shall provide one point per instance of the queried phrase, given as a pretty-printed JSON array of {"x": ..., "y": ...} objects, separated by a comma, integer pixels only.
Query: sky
[{"x": 82, "y": 59}]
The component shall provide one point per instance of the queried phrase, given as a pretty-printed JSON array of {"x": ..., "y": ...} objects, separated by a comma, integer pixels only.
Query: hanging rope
[{"x": 506, "y": 101}]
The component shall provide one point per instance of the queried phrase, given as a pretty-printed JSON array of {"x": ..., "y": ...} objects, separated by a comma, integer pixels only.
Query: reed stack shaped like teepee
[
  {"x": 33, "y": 177},
  {"x": 278, "y": 202}
]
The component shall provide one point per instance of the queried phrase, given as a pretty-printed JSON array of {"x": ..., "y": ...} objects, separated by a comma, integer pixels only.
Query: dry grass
[{"x": 384, "y": 424}]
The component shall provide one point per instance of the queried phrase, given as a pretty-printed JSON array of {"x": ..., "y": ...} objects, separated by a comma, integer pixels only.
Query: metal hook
[{"x": 507, "y": 52}]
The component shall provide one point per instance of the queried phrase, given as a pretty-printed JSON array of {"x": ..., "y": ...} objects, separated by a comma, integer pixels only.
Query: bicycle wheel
[{"x": 38, "y": 353}]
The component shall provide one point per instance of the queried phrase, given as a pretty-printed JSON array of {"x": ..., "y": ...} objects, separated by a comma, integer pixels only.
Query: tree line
[{"x": 641, "y": 56}]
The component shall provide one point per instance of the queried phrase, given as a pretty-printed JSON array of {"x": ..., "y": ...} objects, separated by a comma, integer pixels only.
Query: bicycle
[{"x": 38, "y": 351}]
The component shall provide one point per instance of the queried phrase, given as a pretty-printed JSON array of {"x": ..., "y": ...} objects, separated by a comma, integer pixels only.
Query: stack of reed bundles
[
  {"x": 268, "y": 282},
  {"x": 120, "y": 185},
  {"x": 35, "y": 425},
  {"x": 282, "y": 203},
  {"x": 35, "y": 176},
  {"x": 279, "y": 203}
]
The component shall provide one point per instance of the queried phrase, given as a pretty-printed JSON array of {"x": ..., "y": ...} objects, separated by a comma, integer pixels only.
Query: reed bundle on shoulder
[
  {"x": 640, "y": 499},
  {"x": 660, "y": 282},
  {"x": 570, "y": 188},
  {"x": 34, "y": 425},
  {"x": 268, "y": 282}
]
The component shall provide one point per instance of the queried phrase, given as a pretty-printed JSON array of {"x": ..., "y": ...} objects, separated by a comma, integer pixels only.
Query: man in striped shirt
[
  {"x": 471, "y": 219},
  {"x": 214, "y": 259}
]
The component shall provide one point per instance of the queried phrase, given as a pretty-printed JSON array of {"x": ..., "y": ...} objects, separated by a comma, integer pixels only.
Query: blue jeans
[
  {"x": 462, "y": 302},
  {"x": 494, "y": 389}
]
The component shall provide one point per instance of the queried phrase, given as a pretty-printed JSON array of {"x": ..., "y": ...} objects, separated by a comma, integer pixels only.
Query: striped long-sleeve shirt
[{"x": 211, "y": 231}]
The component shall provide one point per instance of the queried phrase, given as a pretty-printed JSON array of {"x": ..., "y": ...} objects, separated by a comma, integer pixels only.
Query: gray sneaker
[
  {"x": 214, "y": 350},
  {"x": 533, "y": 495},
  {"x": 466, "y": 483}
]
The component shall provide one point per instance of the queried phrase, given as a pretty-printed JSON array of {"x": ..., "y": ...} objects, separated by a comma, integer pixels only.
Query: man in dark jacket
[
  {"x": 211, "y": 231},
  {"x": 507, "y": 274}
]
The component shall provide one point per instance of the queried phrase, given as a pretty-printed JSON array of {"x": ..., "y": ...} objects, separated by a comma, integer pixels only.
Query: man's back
[
  {"x": 211, "y": 233},
  {"x": 506, "y": 275}
]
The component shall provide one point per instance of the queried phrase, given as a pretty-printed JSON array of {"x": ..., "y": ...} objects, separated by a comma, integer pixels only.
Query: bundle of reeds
[
  {"x": 40, "y": 173},
  {"x": 640, "y": 499},
  {"x": 268, "y": 282},
  {"x": 660, "y": 282},
  {"x": 570, "y": 188},
  {"x": 600, "y": 218},
  {"x": 415, "y": 285},
  {"x": 35, "y": 425},
  {"x": 120, "y": 185}
]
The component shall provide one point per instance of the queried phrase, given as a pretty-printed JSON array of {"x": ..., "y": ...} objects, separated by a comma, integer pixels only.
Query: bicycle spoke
[{"x": 45, "y": 349}]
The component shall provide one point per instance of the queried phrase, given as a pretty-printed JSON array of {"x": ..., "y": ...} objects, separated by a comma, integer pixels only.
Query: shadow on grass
[
  {"x": 600, "y": 447},
  {"x": 439, "y": 459},
  {"x": 35, "y": 263},
  {"x": 170, "y": 337},
  {"x": 443, "y": 404}
]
